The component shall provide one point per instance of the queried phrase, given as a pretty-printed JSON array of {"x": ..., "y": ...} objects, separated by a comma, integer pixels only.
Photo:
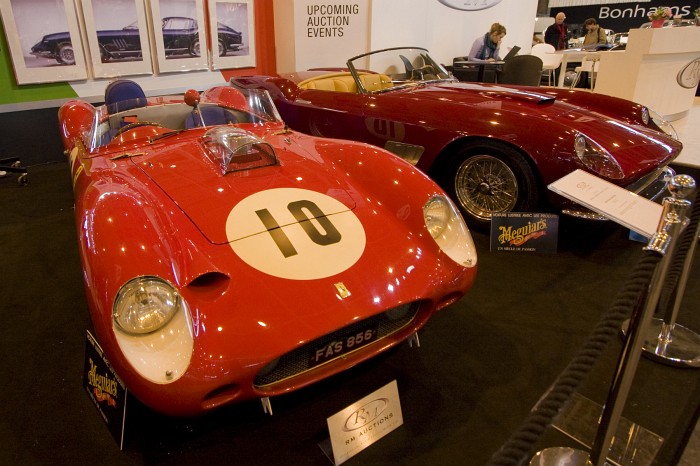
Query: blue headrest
[{"x": 124, "y": 94}]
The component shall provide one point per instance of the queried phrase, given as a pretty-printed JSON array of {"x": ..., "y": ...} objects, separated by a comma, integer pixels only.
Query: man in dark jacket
[{"x": 555, "y": 34}]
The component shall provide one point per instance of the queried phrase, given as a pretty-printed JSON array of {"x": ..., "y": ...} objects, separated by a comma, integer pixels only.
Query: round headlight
[
  {"x": 437, "y": 215},
  {"x": 447, "y": 228},
  {"x": 144, "y": 305}
]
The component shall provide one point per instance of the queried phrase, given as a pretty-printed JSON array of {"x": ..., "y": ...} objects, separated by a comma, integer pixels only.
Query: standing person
[
  {"x": 594, "y": 33},
  {"x": 555, "y": 34},
  {"x": 488, "y": 46}
]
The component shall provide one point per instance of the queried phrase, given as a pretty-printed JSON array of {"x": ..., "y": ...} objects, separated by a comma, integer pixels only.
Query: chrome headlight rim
[{"x": 152, "y": 318}]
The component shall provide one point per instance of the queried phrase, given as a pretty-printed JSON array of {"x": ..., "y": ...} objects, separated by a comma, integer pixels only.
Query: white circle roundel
[{"x": 295, "y": 233}]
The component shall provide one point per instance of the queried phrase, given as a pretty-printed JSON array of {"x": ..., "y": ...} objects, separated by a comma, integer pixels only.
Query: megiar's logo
[
  {"x": 103, "y": 387},
  {"x": 519, "y": 236}
]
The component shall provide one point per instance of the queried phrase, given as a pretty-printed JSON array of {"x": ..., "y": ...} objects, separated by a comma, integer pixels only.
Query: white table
[{"x": 573, "y": 55}]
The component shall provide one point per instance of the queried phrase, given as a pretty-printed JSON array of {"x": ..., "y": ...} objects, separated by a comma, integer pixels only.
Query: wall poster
[
  {"x": 179, "y": 33},
  {"x": 44, "y": 40},
  {"x": 233, "y": 44},
  {"x": 117, "y": 37}
]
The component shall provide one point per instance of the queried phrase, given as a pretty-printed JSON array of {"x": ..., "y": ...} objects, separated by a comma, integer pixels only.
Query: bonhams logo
[
  {"x": 104, "y": 388},
  {"x": 520, "y": 236}
]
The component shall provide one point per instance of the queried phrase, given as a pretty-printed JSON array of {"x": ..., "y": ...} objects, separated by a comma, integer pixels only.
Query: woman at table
[{"x": 488, "y": 46}]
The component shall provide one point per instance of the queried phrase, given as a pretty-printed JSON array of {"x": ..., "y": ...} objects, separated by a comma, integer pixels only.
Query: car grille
[{"x": 298, "y": 361}]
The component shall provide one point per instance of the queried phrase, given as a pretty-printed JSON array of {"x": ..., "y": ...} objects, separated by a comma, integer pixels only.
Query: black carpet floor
[{"x": 483, "y": 363}]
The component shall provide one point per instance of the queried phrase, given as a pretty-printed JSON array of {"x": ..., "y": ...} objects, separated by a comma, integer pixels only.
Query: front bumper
[{"x": 651, "y": 187}]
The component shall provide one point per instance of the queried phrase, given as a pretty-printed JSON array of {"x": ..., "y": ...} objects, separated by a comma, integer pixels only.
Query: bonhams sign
[{"x": 621, "y": 17}]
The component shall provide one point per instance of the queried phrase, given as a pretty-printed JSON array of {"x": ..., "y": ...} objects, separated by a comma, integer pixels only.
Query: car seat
[
  {"x": 212, "y": 116},
  {"x": 124, "y": 94}
]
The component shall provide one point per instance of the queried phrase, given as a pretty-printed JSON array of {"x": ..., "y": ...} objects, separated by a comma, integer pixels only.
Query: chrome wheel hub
[{"x": 484, "y": 185}]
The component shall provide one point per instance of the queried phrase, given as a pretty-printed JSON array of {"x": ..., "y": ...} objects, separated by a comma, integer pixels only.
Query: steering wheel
[{"x": 136, "y": 124}]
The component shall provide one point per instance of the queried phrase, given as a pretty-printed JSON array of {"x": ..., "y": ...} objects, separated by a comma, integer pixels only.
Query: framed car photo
[
  {"x": 44, "y": 40},
  {"x": 117, "y": 37},
  {"x": 233, "y": 44},
  {"x": 179, "y": 32}
]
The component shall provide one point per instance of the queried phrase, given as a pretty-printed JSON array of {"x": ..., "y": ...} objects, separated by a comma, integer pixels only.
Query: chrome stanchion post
[
  {"x": 668, "y": 342},
  {"x": 662, "y": 242}
]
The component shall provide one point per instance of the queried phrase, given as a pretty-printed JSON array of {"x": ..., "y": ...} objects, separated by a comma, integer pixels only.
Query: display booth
[{"x": 660, "y": 68}]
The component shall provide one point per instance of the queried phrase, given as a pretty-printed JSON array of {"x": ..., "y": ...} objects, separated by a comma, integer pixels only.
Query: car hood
[
  {"x": 188, "y": 176},
  {"x": 636, "y": 148}
]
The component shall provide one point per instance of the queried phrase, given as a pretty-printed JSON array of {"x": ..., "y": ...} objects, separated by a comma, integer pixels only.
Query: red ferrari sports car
[
  {"x": 227, "y": 257},
  {"x": 493, "y": 148}
]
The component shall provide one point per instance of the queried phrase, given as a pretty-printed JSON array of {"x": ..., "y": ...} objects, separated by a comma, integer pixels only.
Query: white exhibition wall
[{"x": 374, "y": 24}]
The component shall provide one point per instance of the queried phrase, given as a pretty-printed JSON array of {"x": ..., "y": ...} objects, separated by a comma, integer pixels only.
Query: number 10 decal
[
  {"x": 295, "y": 233},
  {"x": 331, "y": 235}
]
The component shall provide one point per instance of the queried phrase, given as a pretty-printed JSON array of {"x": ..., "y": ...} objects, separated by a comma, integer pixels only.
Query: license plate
[{"x": 342, "y": 345}]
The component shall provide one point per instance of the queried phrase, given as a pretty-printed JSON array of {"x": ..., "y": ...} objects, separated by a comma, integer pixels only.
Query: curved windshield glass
[
  {"x": 163, "y": 116},
  {"x": 403, "y": 66}
]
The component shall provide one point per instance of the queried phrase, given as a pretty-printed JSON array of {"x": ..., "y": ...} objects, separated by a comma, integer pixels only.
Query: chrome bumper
[{"x": 651, "y": 187}]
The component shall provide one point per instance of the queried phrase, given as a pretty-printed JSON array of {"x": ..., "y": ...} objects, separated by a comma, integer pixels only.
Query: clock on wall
[{"x": 470, "y": 5}]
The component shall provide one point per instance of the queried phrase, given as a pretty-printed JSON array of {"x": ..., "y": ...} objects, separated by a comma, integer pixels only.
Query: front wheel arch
[{"x": 485, "y": 176}]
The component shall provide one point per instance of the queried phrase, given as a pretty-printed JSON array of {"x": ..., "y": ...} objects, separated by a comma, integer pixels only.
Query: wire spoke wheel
[{"x": 484, "y": 185}]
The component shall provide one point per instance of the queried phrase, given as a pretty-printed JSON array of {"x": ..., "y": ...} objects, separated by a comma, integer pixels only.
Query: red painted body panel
[
  {"x": 442, "y": 116},
  {"x": 161, "y": 209}
]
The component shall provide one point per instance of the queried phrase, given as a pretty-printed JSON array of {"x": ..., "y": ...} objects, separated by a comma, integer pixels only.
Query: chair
[
  {"x": 124, "y": 94},
  {"x": 524, "y": 70},
  {"x": 550, "y": 60},
  {"x": 212, "y": 116},
  {"x": 589, "y": 66}
]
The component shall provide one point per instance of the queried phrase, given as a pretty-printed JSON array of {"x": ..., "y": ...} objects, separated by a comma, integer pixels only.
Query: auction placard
[
  {"x": 361, "y": 424},
  {"x": 105, "y": 389},
  {"x": 524, "y": 232},
  {"x": 624, "y": 207}
]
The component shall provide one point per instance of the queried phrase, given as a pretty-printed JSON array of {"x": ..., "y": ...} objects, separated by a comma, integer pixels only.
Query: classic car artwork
[
  {"x": 493, "y": 148},
  {"x": 227, "y": 257},
  {"x": 180, "y": 37}
]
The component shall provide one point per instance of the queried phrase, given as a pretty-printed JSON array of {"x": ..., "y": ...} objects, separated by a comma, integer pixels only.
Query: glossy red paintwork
[
  {"x": 441, "y": 117},
  {"x": 161, "y": 210}
]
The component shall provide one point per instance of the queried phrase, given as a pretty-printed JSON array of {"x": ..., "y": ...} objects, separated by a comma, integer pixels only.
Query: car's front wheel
[
  {"x": 195, "y": 50},
  {"x": 490, "y": 177},
  {"x": 65, "y": 54},
  {"x": 222, "y": 49}
]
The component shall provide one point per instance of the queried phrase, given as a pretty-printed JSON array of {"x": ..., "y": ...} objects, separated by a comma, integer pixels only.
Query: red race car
[
  {"x": 227, "y": 257},
  {"x": 493, "y": 148}
]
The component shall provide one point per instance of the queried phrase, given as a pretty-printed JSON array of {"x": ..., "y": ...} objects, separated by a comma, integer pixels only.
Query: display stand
[
  {"x": 663, "y": 243},
  {"x": 667, "y": 341}
]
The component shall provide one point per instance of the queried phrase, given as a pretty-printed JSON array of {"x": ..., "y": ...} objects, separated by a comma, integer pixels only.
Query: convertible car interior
[{"x": 345, "y": 82}]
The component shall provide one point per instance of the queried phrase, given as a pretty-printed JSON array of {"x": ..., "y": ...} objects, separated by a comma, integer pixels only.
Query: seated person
[{"x": 488, "y": 46}]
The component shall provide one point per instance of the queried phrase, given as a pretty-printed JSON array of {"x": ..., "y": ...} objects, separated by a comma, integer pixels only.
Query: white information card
[
  {"x": 624, "y": 207},
  {"x": 364, "y": 422}
]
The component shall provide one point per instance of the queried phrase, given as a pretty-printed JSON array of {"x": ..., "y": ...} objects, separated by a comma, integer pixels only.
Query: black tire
[
  {"x": 195, "y": 50},
  {"x": 222, "y": 49},
  {"x": 490, "y": 177},
  {"x": 65, "y": 54}
]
